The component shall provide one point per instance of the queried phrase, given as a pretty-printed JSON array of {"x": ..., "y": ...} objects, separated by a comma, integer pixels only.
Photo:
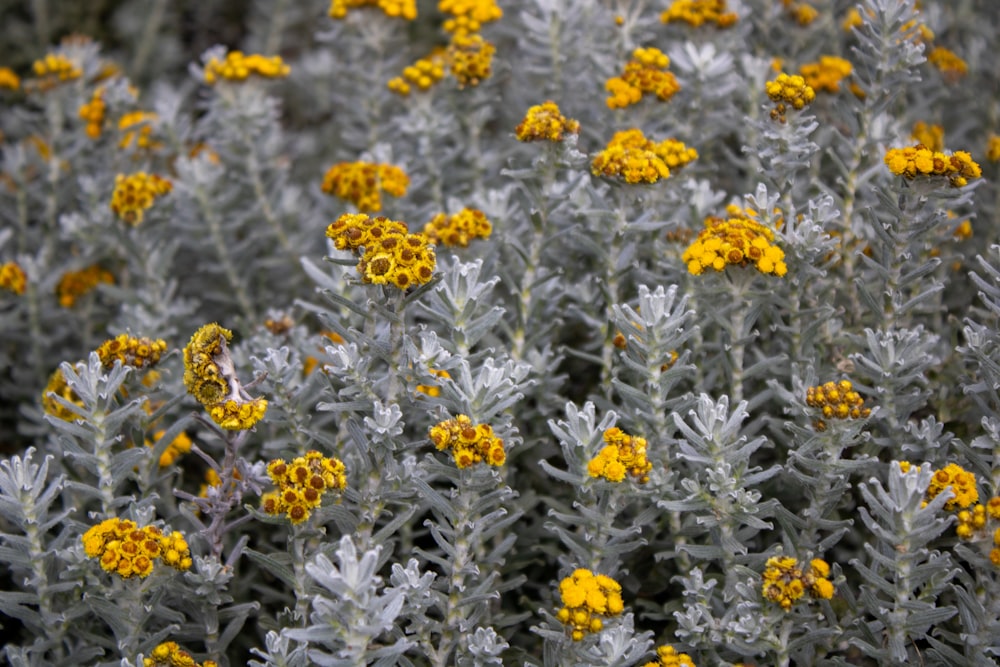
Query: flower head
[
  {"x": 210, "y": 377},
  {"x": 135, "y": 193},
  {"x": 836, "y": 400},
  {"x": 948, "y": 63},
  {"x": 13, "y": 278},
  {"x": 623, "y": 455},
  {"x": 785, "y": 582},
  {"x": 93, "y": 113},
  {"x": 470, "y": 58},
  {"x": 645, "y": 73},
  {"x": 458, "y": 229},
  {"x": 404, "y": 9},
  {"x": 52, "y": 70},
  {"x": 826, "y": 74},
  {"x": 137, "y": 130},
  {"x": 388, "y": 254},
  {"x": 423, "y": 73},
  {"x": 75, "y": 284},
  {"x": 667, "y": 656},
  {"x": 238, "y": 67},
  {"x": 544, "y": 122},
  {"x": 468, "y": 16},
  {"x": 587, "y": 598},
  {"x": 9, "y": 79},
  {"x": 631, "y": 156},
  {"x": 912, "y": 162},
  {"x": 127, "y": 550},
  {"x": 961, "y": 482},
  {"x": 301, "y": 484},
  {"x": 57, "y": 386},
  {"x": 362, "y": 183},
  {"x": 469, "y": 443},
  {"x": 170, "y": 654},
  {"x": 697, "y": 13},
  {"x": 931, "y": 136},
  {"x": 788, "y": 90},
  {"x": 132, "y": 351},
  {"x": 738, "y": 241}
]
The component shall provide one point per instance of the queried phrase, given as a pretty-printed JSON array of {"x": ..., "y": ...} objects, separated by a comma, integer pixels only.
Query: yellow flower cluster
[
  {"x": 131, "y": 351},
  {"x": 169, "y": 654},
  {"x": 137, "y": 130},
  {"x": 622, "y": 455},
  {"x": 699, "y": 12},
  {"x": 836, "y": 400},
  {"x": 74, "y": 284},
  {"x": 970, "y": 520},
  {"x": 993, "y": 148},
  {"x": 433, "y": 390},
  {"x": 209, "y": 376},
  {"x": 458, "y": 229},
  {"x": 960, "y": 481},
  {"x": 930, "y": 136},
  {"x": 826, "y": 74},
  {"x": 127, "y": 550},
  {"x": 468, "y": 16},
  {"x": 178, "y": 447},
  {"x": 544, "y": 122},
  {"x": 788, "y": 90},
  {"x": 948, "y": 63},
  {"x": 54, "y": 69},
  {"x": 301, "y": 484},
  {"x": 93, "y": 112},
  {"x": 135, "y": 193},
  {"x": 405, "y": 9},
  {"x": 913, "y": 161},
  {"x": 13, "y": 278},
  {"x": 362, "y": 183},
  {"x": 471, "y": 58},
  {"x": 802, "y": 13},
  {"x": 738, "y": 241},
  {"x": 785, "y": 582},
  {"x": 9, "y": 79},
  {"x": 587, "y": 598},
  {"x": 388, "y": 254},
  {"x": 645, "y": 73},
  {"x": 631, "y": 156},
  {"x": 57, "y": 386},
  {"x": 239, "y": 67},
  {"x": 423, "y": 74},
  {"x": 667, "y": 656},
  {"x": 469, "y": 443}
]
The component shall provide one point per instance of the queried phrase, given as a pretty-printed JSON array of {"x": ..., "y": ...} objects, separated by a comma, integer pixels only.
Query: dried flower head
[
  {"x": 469, "y": 443},
  {"x": 645, "y": 73},
  {"x": 210, "y": 377},
  {"x": 635, "y": 159},
  {"x": 302, "y": 483},
  {"x": 73, "y": 285},
  {"x": 135, "y": 193},
  {"x": 127, "y": 550},
  {"x": 623, "y": 455},
  {"x": 544, "y": 122},
  {"x": 737, "y": 241},
  {"x": 785, "y": 582},
  {"x": 13, "y": 278},
  {"x": 132, "y": 351},
  {"x": 239, "y": 67},
  {"x": 458, "y": 229},
  {"x": 697, "y": 13},
  {"x": 587, "y": 599},
  {"x": 919, "y": 161},
  {"x": 362, "y": 183}
]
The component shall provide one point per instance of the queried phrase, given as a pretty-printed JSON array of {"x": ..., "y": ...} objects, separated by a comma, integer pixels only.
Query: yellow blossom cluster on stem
[
  {"x": 127, "y": 550},
  {"x": 469, "y": 443},
  {"x": 73, "y": 285},
  {"x": 587, "y": 599},
  {"x": 788, "y": 90},
  {"x": 911, "y": 162},
  {"x": 138, "y": 352},
  {"x": 645, "y": 73},
  {"x": 458, "y": 229},
  {"x": 301, "y": 483},
  {"x": 137, "y": 130},
  {"x": 948, "y": 63},
  {"x": 57, "y": 386},
  {"x": 544, "y": 122},
  {"x": 362, "y": 183},
  {"x": 826, "y": 74},
  {"x": 423, "y": 73},
  {"x": 433, "y": 390},
  {"x": 468, "y": 16},
  {"x": 800, "y": 12},
  {"x": 929, "y": 135},
  {"x": 697, "y": 13},
  {"x": 134, "y": 194},
  {"x": 404, "y": 9},
  {"x": 668, "y": 656},
  {"x": 170, "y": 654},
  {"x": 785, "y": 582},
  {"x": 210, "y": 377},
  {"x": 737, "y": 241},
  {"x": 635, "y": 159},
  {"x": 93, "y": 113},
  {"x": 13, "y": 278},
  {"x": 622, "y": 455},
  {"x": 993, "y": 148},
  {"x": 52, "y": 70},
  {"x": 960, "y": 481},
  {"x": 9, "y": 79},
  {"x": 470, "y": 59},
  {"x": 388, "y": 254},
  {"x": 178, "y": 447},
  {"x": 239, "y": 67},
  {"x": 836, "y": 400}
]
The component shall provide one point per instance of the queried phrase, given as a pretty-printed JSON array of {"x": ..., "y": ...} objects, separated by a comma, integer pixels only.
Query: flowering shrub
[{"x": 556, "y": 333}]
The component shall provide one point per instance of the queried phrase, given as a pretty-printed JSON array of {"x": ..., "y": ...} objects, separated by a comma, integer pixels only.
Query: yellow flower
[
  {"x": 544, "y": 122},
  {"x": 132, "y": 351},
  {"x": 8, "y": 79},
  {"x": 239, "y": 67},
  {"x": 362, "y": 183},
  {"x": 931, "y": 136},
  {"x": 738, "y": 241},
  {"x": 405, "y": 9},
  {"x": 75, "y": 284},
  {"x": 93, "y": 113},
  {"x": 586, "y": 598},
  {"x": 913, "y": 161},
  {"x": 135, "y": 193},
  {"x": 960, "y": 481},
  {"x": 127, "y": 550},
  {"x": 469, "y": 443},
  {"x": 788, "y": 90},
  {"x": 667, "y": 656},
  {"x": 471, "y": 58},
  {"x": 468, "y": 16},
  {"x": 302, "y": 483},
  {"x": 949, "y": 63},
  {"x": 458, "y": 229},
  {"x": 784, "y": 582},
  {"x": 13, "y": 278},
  {"x": 645, "y": 73},
  {"x": 700, "y": 12},
  {"x": 423, "y": 74},
  {"x": 826, "y": 74},
  {"x": 137, "y": 130},
  {"x": 631, "y": 156}
]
